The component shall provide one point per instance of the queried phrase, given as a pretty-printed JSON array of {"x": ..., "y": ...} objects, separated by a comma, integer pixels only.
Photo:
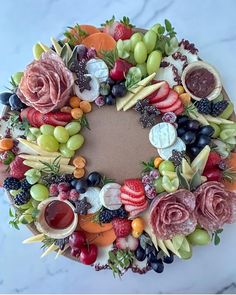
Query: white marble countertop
[{"x": 211, "y": 25}]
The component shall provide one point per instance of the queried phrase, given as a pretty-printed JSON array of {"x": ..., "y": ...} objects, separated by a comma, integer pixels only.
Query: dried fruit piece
[
  {"x": 85, "y": 106},
  {"x": 79, "y": 173},
  {"x": 79, "y": 162},
  {"x": 76, "y": 113},
  {"x": 75, "y": 102}
]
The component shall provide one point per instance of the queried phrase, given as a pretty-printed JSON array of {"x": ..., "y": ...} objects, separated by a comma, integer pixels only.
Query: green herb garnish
[
  {"x": 216, "y": 237},
  {"x": 119, "y": 261},
  {"x": 47, "y": 242},
  {"x": 53, "y": 167},
  {"x": 109, "y": 56},
  {"x": 148, "y": 166},
  {"x": 84, "y": 122},
  {"x": 14, "y": 122},
  {"x": 106, "y": 180},
  {"x": 75, "y": 35},
  {"x": 17, "y": 217}
]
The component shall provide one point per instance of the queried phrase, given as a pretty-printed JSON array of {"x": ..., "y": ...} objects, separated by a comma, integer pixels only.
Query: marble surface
[{"x": 211, "y": 25}]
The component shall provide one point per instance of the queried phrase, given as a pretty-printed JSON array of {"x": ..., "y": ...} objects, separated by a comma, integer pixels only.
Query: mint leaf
[{"x": 168, "y": 25}]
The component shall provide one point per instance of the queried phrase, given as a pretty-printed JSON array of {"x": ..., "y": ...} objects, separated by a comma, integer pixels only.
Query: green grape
[
  {"x": 154, "y": 61},
  {"x": 39, "y": 192},
  {"x": 61, "y": 134},
  {"x": 228, "y": 111},
  {"x": 26, "y": 217},
  {"x": 216, "y": 130},
  {"x": 127, "y": 45},
  {"x": 33, "y": 175},
  {"x": 199, "y": 237},
  {"x": 73, "y": 128},
  {"x": 47, "y": 129},
  {"x": 185, "y": 254},
  {"x": 48, "y": 143},
  {"x": 150, "y": 39},
  {"x": 135, "y": 38},
  {"x": 158, "y": 185},
  {"x": 30, "y": 137},
  {"x": 140, "y": 52},
  {"x": 65, "y": 151},
  {"x": 143, "y": 69},
  {"x": 155, "y": 28},
  {"x": 123, "y": 54},
  {"x": 174, "y": 43},
  {"x": 37, "y": 51},
  {"x": 14, "y": 192},
  {"x": 227, "y": 133},
  {"x": 120, "y": 45},
  {"x": 230, "y": 141},
  {"x": 75, "y": 142},
  {"x": 135, "y": 73},
  {"x": 166, "y": 166},
  {"x": 17, "y": 77},
  {"x": 35, "y": 131},
  {"x": 34, "y": 203}
]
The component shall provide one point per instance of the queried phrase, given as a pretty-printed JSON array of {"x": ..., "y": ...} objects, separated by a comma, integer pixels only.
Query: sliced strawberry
[
  {"x": 48, "y": 119},
  {"x": 24, "y": 112},
  {"x": 169, "y": 101},
  {"x": 126, "y": 190},
  {"x": 138, "y": 210},
  {"x": 160, "y": 94},
  {"x": 30, "y": 116},
  {"x": 124, "y": 202},
  {"x": 172, "y": 108},
  {"x": 179, "y": 111},
  {"x": 126, "y": 198},
  {"x": 135, "y": 185},
  {"x": 39, "y": 119},
  {"x": 60, "y": 116}
]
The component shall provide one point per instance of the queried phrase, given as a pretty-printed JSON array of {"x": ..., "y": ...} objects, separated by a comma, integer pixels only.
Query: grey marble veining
[{"x": 211, "y": 25}]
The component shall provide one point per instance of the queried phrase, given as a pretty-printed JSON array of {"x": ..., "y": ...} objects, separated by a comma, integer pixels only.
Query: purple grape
[
  {"x": 169, "y": 117},
  {"x": 146, "y": 179},
  {"x": 81, "y": 51},
  {"x": 99, "y": 101},
  {"x": 150, "y": 191},
  {"x": 91, "y": 53},
  {"x": 154, "y": 174}
]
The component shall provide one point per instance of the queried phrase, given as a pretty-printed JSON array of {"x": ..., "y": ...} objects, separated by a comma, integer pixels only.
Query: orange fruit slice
[
  {"x": 102, "y": 239},
  {"x": 87, "y": 224},
  {"x": 100, "y": 41}
]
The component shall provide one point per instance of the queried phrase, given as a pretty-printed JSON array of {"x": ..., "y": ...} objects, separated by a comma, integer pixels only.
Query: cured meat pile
[{"x": 46, "y": 84}]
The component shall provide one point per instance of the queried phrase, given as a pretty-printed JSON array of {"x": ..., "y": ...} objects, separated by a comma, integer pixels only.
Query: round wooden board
[{"x": 112, "y": 147}]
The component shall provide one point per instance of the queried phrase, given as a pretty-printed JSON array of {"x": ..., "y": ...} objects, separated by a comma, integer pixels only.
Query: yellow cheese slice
[
  {"x": 142, "y": 94},
  {"x": 122, "y": 101},
  {"x": 56, "y": 45},
  {"x": 169, "y": 245}
]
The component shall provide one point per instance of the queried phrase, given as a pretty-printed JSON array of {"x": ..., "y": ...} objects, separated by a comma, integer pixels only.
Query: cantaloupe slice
[
  {"x": 102, "y": 239},
  {"x": 87, "y": 224}
]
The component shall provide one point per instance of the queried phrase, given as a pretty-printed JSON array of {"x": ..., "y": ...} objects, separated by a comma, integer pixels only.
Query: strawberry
[
  {"x": 51, "y": 120},
  {"x": 160, "y": 94},
  {"x": 122, "y": 227},
  {"x": 39, "y": 119},
  {"x": 130, "y": 198},
  {"x": 120, "y": 69},
  {"x": 123, "y": 30},
  {"x": 17, "y": 168},
  {"x": 130, "y": 193},
  {"x": 30, "y": 116},
  {"x": 172, "y": 108},
  {"x": 179, "y": 111},
  {"x": 129, "y": 242},
  {"x": 109, "y": 26},
  {"x": 61, "y": 116},
  {"x": 168, "y": 101},
  {"x": 213, "y": 160},
  {"x": 135, "y": 185},
  {"x": 213, "y": 174},
  {"x": 24, "y": 112},
  {"x": 134, "y": 211}
]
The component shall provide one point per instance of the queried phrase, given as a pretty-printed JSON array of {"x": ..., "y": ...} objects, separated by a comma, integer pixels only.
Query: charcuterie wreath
[{"x": 117, "y": 148}]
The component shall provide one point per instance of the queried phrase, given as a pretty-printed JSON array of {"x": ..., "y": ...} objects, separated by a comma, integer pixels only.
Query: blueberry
[
  {"x": 194, "y": 151},
  {"x": 119, "y": 90},
  {"x": 150, "y": 249},
  {"x": 151, "y": 258},
  {"x": 188, "y": 137},
  {"x": 168, "y": 259},
  {"x": 206, "y": 130},
  {"x": 182, "y": 120},
  {"x": 110, "y": 100},
  {"x": 81, "y": 186},
  {"x": 193, "y": 125},
  {"x": 73, "y": 182},
  {"x": 94, "y": 179},
  {"x": 203, "y": 140},
  {"x": 110, "y": 81},
  {"x": 140, "y": 254},
  {"x": 15, "y": 103},
  {"x": 157, "y": 266},
  {"x": 181, "y": 131},
  {"x": 4, "y": 97}
]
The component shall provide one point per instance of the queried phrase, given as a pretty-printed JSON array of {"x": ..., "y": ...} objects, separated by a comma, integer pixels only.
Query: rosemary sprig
[
  {"x": 119, "y": 261},
  {"x": 47, "y": 242},
  {"x": 148, "y": 166},
  {"x": 14, "y": 122},
  {"x": 109, "y": 56},
  {"x": 106, "y": 180},
  {"x": 53, "y": 167},
  {"x": 84, "y": 122}
]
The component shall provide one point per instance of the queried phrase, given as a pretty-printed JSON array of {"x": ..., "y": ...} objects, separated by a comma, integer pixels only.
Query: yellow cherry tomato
[
  {"x": 157, "y": 161},
  {"x": 136, "y": 234},
  {"x": 138, "y": 224},
  {"x": 185, "y": 98},
  {"x": 179, "y": 89}
]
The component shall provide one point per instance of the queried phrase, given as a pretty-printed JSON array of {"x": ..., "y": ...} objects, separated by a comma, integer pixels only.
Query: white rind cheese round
[
  {"x": 162, "y": 135},
  {"x": 98, "y": 68},
  {"x": 92, "y": 195},
  {"x": 88, "y": 95},
  {"x": 166, "y": 153},
  {"x": 110, "y": 196}
]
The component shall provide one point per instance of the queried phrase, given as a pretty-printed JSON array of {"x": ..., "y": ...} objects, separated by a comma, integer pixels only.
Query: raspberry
[
  {"x": 63, "y": 187},
  {"x": 17, "y": 168},
  {"x": 74, "y": 195},
  {"x": 63, "y": 196},
  {"x": 53, "y": 190}
]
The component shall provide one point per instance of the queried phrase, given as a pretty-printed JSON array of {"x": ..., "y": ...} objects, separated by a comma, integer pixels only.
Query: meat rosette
[
  {"x": 214, "y": 205},
  {"x": 46, "y": 83},
  {"x": 173, "y": 214}
]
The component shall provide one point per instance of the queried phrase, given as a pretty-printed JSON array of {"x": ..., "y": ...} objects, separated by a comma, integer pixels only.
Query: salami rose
[
  {"x": 173, "y": 214},
  {"x": 214, "y": 205},
  {"x": 46, "y": 83}
]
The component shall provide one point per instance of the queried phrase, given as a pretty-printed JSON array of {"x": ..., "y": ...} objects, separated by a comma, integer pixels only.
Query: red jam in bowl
[{"x": 58, "y": 215}]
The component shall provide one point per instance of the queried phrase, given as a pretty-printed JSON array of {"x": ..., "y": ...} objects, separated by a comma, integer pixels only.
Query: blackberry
[
  {"x": 25, "y": 185},
  {"x": 121, "y": 213},
  {"x": 147, "y": 120},
  {"x": 177, "y": 157},
  {"x": 152, "y": 110},
  {"x": 22, "y": 198},
  {"x": 140, "y": 105},
  {"x": 11, "y": 183},
  {"x": 105, "y": 216},
  {"x": 219, "y": 107},
  {"x": 50, "y": 179},
  {"x": 204, "y": 106}
]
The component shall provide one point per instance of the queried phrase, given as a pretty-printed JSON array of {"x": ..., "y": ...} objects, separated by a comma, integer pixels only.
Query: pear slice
[
  {"x": 56, "y": 45},
  {"x": 200, "y": 161}
]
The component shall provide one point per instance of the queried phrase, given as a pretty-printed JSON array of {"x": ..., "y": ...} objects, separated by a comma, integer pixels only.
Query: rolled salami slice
[{"x": 110, "y": 196}]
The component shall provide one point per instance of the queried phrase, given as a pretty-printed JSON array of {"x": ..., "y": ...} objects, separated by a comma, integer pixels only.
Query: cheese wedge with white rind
[
  {"x": 92, "y": 195},
  {"x": 56, "y": 45},
  {"x": 162, "y": 135},
  {"x": 110, "y": 196},
  {"x": 166, "y": 153},
  {"x": 146, "y": 91},
  {"x": 122, "y": 101},
  {"x": 98, "y": 68}
]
